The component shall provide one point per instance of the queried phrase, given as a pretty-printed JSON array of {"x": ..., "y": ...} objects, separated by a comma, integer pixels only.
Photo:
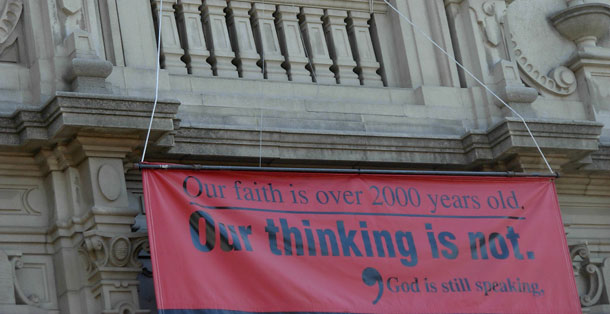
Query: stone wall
[{"x": 323, "y": 83}]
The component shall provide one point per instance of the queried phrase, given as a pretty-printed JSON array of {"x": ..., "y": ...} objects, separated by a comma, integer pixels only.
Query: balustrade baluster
[
  {"x": 362, "y": 48},
  {"x": 291, "y": 43},
  {"x": 171, "y": 50},
  {"x": 267, "y": 41},
  {"x": 246, "y": 56},
  {"x": 339, "y": 46},
  {"x": 313, "y": 33},
  {"x": 217, "y": 36},
  {"x": 196, "y": 52}
]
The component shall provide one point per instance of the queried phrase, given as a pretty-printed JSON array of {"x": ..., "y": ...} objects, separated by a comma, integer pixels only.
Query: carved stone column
[
  {"x": 196, "y": 52},
  {"x": 313, "y": 33},
  {"x": 246, "y": 56},
  {"x": 171, "y": 49},
  {"x": 217, "y": 36},
  {"x": 291, "y": 44},
  {"x": 110, "y": 245},
  {"x": 362, "y": 46},
  {"x": 95, "y": 249},
  {"x": 267, "y": 42},
  {"x": 340, "y": 49}
]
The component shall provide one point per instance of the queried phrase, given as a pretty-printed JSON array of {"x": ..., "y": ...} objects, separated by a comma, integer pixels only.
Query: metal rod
[{"x": 354, "y": 171}]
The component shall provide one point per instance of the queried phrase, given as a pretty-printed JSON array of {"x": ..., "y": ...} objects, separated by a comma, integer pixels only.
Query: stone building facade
[{"x": 309, "y": 83}]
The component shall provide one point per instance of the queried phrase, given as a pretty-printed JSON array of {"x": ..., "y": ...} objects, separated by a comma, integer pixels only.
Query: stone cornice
[
  {"x": 559, "y": 136},
  {"x": 74, "y": 126},
  {"x": 566, "y": 141},
  {"x": 68, "y": 114}
]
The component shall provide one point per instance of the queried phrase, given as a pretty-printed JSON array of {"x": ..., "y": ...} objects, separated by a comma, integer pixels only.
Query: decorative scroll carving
[
  {"x": 588, "y": 272},
  {"x": 111, "y": 263},
  {"x": 8, "y": 22},
  {"x": 7, "y": 293},
  {"x": 491, "y": 22},
  {"x": 10, "y": 289},
  {"x": 20, "y": 295},
  {"x": 560, "y": 81},
  {"x": 100, "y": 250}
]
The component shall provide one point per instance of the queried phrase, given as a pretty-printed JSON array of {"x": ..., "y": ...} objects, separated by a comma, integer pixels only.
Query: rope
[
  {"x": 260, "y": 135},
  {"x": 152, "y": 115},
  {"x": 475, "y": 78}
]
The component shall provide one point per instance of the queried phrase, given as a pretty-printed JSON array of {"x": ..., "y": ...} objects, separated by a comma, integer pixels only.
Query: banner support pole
[{"x": 347, "y": 171}]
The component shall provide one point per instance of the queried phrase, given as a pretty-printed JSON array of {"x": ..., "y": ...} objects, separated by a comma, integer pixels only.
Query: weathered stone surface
[
  {"x": 77, "y": 89},
  {"x": 7, "y": 285}
]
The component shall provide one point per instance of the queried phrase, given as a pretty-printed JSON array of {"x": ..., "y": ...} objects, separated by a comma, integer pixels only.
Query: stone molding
[
  {"x": 68, "y": 114},
  {"x": 111, "y": 264},
  {"x": 573, "y": 140},
  {"x": 69, "y": 121}
]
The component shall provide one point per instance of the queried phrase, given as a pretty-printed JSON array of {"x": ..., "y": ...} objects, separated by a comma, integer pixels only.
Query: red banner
[{"x": 292, "y": 242}]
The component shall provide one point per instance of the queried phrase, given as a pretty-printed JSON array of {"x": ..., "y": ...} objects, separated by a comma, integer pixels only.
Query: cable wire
[
  {"x": 419, "y": 30},
  {"x": 152, "y": 116}
]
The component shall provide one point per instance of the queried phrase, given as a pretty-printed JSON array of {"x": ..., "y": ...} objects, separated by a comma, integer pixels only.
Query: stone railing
[
  {"x": 333, "y": 42},
  {"x": 592, "y": 279}
]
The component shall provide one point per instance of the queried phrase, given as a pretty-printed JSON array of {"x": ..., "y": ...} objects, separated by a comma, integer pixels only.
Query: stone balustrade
[{"x": 277, "y": 41}]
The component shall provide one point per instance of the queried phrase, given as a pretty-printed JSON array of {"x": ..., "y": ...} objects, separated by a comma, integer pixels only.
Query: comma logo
[{"x": 370, "y": 277}]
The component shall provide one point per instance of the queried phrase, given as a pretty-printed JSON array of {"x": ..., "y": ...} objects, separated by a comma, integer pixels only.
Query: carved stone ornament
[
  {"x": 11, "y": 13},
  {"x": 540, "y": 55},
  {"x": 10, "y": 289},
  {"x": 101, "y": 250},
  {"x": 589, "y": 273},
  {"x": 560, "y": 81},
  {"x": 109, "y": 181}
]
